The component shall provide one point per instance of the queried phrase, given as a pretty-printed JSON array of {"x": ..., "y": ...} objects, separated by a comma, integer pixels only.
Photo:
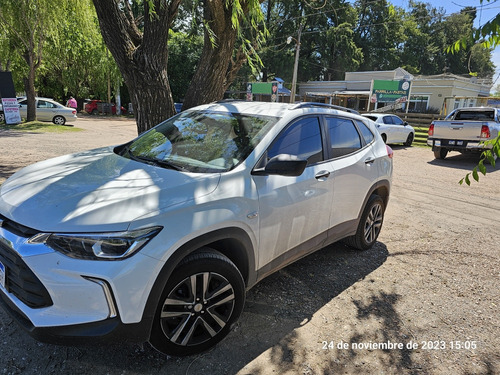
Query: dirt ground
[{"x": 429, "y": 290}]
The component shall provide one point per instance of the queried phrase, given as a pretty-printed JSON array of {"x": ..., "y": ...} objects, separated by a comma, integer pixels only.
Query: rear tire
[
  {"x": 59, "y": 120},
  {"x": 440, "y": 153},
  {"x": 2, "y": 117},
  {"x": 202, "y": 299},
  {"x": 369, "y": 226}
]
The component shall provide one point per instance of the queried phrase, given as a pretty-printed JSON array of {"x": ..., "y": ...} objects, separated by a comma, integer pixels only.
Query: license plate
[{"x": 2, "y": 275}]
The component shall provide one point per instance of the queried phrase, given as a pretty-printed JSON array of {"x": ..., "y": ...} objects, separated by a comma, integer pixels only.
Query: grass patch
[{"x": 40, "y": 127}]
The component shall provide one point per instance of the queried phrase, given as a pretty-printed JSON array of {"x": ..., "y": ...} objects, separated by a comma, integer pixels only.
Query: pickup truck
[{"x": 464, "y": 130}]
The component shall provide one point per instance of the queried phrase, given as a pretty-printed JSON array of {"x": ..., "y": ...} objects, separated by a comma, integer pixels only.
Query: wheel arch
[
  {"x": 234, "y": 243},
  {"x": 382, "y": 189}
]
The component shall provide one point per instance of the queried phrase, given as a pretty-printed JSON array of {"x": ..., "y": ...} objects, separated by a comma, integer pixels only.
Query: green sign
[
  {"x": 390, "y": 91},
  {"x": 262, "y": 88}
]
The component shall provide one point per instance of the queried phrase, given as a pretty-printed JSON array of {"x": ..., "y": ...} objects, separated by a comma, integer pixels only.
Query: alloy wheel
[
  {"x": 197, "y": 309},
  {"x": 373, "y": 223}
]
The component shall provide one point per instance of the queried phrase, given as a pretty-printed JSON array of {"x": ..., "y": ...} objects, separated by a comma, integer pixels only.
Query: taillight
[
  {"x": 485, "y": 131},
  {"x": 73, "y": 112},
  {"x": 390, "y": 153},
  {"x": 431, "y": 130}
]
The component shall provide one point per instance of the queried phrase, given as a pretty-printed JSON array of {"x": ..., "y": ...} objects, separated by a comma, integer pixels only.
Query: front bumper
[
  {"x": 86, "y": 299},
  {"x": 109, "y": 330}
]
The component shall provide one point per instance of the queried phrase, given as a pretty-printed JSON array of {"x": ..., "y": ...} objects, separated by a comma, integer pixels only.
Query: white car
[
  {"x": 48, "y": 110},
  {"x": 392, "y": 128},
  {"x": 158, "y": 239}
]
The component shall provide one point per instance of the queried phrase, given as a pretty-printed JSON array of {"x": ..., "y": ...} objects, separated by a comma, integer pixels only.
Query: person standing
[{"x": 71, "y": 103}]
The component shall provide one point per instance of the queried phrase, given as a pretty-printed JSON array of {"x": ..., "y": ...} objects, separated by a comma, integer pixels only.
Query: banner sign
[
  {"x": 9, "y": 101},
  {"x": 11, "y": 110},
  {"x": 263, "y": 88},
  {"x": 390, "y": 91}
]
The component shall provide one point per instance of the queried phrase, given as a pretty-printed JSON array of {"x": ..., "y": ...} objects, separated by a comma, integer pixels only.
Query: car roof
[
  {"x": 476, "y": 109},
  {"x": 377, "y": 115},
  {"x": 36, "y": 98},
  {"x": 271, "y": 109}
]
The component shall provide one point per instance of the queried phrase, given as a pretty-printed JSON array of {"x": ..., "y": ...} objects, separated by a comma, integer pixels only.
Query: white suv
[{"x": 158, "y": 239}]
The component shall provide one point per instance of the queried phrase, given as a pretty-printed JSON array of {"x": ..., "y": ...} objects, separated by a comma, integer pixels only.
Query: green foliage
[
  {"x": 380, "y": 34},
  {"x": 75, "y": 60},
  {"x": 78, "y": 62},
  {"x": 488, "y": 35},
  {"x": 488, "y": 156},
  {"x": 184, "y": 54}
]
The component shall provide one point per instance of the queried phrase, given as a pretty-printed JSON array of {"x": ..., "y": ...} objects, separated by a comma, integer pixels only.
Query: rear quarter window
[{"x": 365, "y": 132}]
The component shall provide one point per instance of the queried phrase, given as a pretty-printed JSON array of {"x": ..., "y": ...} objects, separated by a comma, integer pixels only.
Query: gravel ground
[{"x": 428, "y": 290}]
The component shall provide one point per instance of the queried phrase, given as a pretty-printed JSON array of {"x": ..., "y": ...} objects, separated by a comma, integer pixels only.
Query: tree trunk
[
  {"x": 210, "y": 79},
  {"x": 141, "y": 57},
  {"x": 29, "y": 87}
]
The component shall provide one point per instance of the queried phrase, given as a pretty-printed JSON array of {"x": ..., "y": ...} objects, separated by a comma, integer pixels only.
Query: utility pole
[{"x": 295, "y": 67}]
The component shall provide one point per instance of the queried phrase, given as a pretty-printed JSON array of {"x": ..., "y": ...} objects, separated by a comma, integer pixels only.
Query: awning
[
  {"x": 367, "y": 93},
  {"x": 339, "y": 93}
]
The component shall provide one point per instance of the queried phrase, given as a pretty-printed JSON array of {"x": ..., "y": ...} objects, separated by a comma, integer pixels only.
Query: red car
[{"x": 94, "y": 107}]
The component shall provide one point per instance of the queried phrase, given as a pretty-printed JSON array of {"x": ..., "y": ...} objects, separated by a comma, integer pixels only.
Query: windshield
[{"x": 201, "y": 141}]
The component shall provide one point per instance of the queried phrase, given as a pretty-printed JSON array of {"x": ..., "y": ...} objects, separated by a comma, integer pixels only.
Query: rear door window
[
  {"x": 397, "y": 120},
  {"x": 344, "y": 137},
  {"x": 388, "y": 120}
]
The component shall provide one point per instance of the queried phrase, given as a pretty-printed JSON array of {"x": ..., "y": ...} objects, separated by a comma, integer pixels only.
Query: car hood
[{"x": 95, "y": 191}]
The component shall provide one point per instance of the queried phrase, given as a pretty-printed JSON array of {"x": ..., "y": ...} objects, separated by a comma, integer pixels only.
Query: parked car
[
  {"x": 465, "y": 130},
  {"x": 48, "y": 110},
  {"x": 159, "y": 238},
  {"x": 94, "y": 107},
  {"x": 392, "y": 128}
]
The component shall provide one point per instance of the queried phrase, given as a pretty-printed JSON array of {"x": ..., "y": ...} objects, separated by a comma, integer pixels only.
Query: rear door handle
[
  {"x": 322, "y": 175},
  {"x": 369, "y": 161}
]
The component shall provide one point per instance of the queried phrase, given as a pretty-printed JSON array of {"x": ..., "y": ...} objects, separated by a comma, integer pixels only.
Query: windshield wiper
[{"x": 157, "y": 162}]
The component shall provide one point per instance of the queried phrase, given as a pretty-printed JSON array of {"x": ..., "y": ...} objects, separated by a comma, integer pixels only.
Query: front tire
[
  {"x": 370, "y": 224},
  {"x": 2, "y": 117},
  {"x": 409, "y": 140},
  {"x": 59, "y": 120},
  {"x": 440, "y": 153},
  {"x": 202, "y": 299}
]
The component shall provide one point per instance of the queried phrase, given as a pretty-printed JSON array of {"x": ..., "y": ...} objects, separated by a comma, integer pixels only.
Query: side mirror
[
  {"x": 405, "y": 123},
  {"x": 284, "y": 165}
]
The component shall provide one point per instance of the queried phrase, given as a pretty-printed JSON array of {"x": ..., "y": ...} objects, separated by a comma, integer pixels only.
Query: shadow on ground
[
  {"x": 464, "y": 162},
  {"x": 274, "y": 309}
]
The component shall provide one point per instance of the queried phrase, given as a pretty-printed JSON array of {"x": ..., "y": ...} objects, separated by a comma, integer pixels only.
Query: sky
[{"x": 485, "y": 12}]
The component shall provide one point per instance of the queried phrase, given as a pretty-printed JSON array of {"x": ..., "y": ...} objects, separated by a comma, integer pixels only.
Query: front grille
[
  {"x": 21, "y": 281},
  {"x": 17, "y": 229}
]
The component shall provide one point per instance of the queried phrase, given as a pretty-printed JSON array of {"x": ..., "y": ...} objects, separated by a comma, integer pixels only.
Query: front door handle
[{"x": 322, "y": 175}]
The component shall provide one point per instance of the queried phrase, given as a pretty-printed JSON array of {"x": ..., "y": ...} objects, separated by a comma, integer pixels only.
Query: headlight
[{"x": 103, "y": 246}]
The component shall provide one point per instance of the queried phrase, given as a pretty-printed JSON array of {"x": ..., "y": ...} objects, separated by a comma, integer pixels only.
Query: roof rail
[{"x": 324, "y": 105}]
